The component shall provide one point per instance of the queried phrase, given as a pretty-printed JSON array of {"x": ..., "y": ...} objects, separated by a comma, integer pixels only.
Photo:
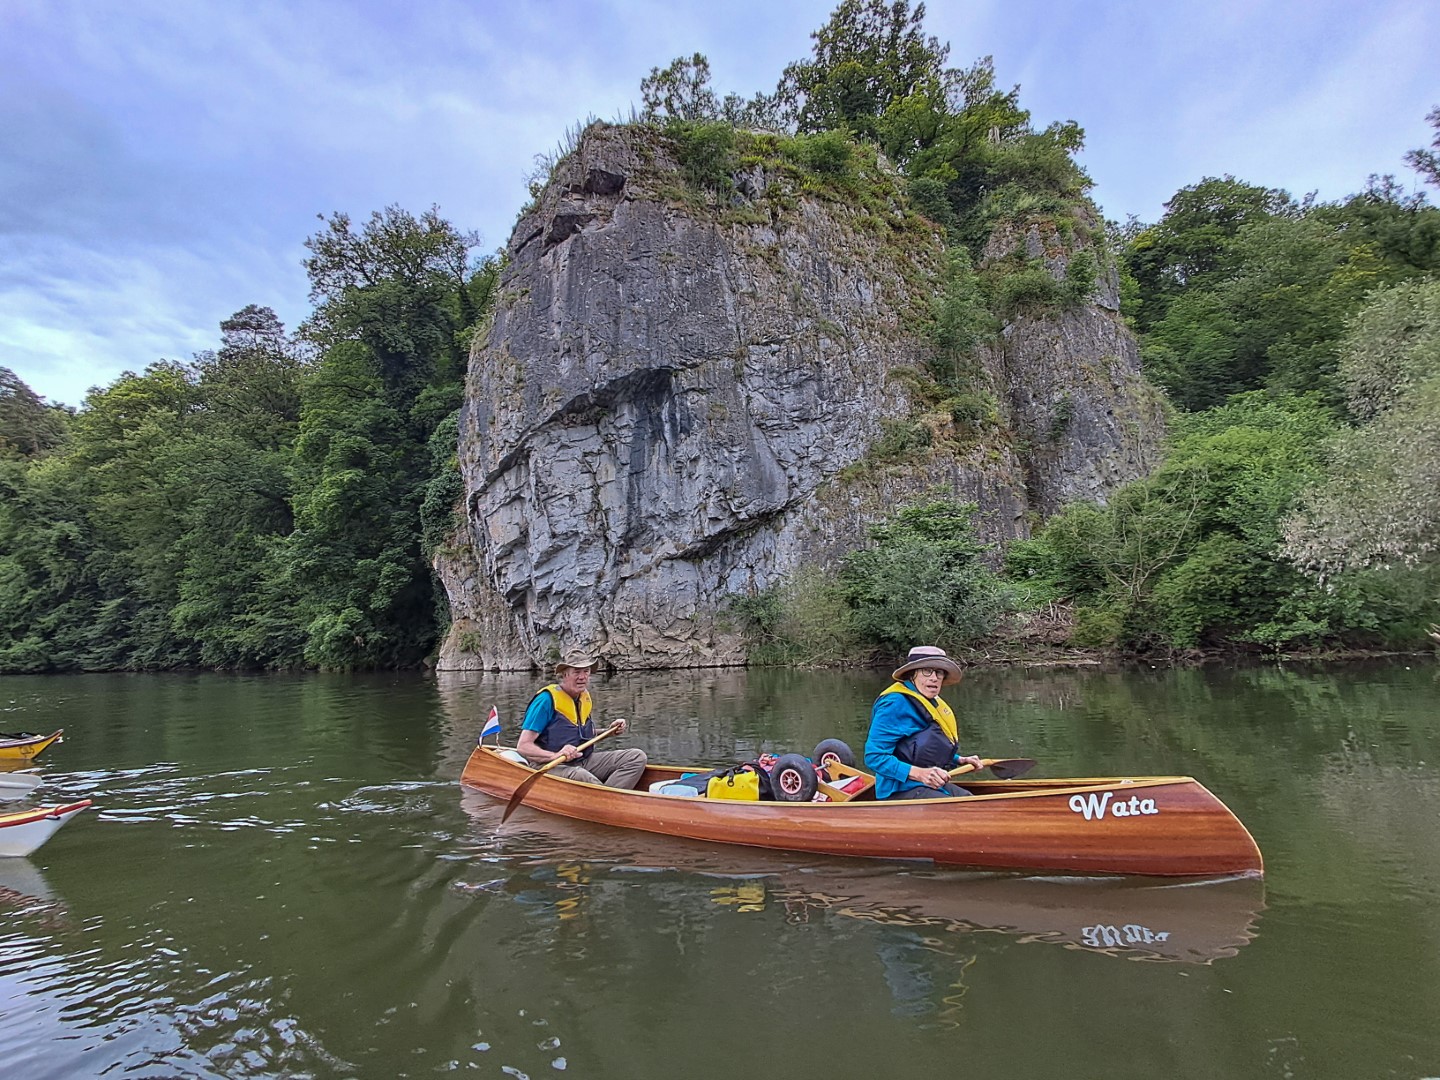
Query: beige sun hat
[
  {"x": 928, "y": 656},
  {"x": 575, "y": 659}
]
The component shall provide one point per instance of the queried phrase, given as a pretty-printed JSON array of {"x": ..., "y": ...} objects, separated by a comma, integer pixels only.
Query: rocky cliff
[{"x": 679, "y": 401}]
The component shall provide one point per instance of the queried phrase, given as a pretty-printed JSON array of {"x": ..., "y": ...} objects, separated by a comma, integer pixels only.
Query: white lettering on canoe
[
  {"x": 1093, "y": 805},
  {"x": 1108, "y": 937}
]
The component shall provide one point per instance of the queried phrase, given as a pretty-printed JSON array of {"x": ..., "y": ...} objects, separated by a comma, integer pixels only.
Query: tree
[
  {"x": 1192, "y": 246},
  {"x": 28, "y": 426},
  {"x": 1427, "y": 162},
  {"x": 870, "y": 58},
  {"x": 680, "y": 92},
  {"x": 1267, "y": 306},
  {"x": 402, "y": 286},
  {"x": 399, "y": 301},
  {"x": 1380, "y": 502}
]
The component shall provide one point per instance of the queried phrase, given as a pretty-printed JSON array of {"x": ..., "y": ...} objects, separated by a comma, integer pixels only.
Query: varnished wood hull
[
  {"x": 26, "y": 748},
  {"x": 1165, "y": 825}
]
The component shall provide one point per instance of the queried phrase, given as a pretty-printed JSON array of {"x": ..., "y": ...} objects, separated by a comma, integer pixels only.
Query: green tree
[
  {"x": 1192, "y": 246},
  {"x": 1192, "y": 556},
  {"x": 1272, "y": 311},
  {"x": 398, "y": 304},
  {"x": 924, "y": 579},
  {"x": 28, "y": 426},
  {"x": 680, "y": 92},
  {"x": 870, "y": 59},
  {"x": 1379, "y": 503},
  {"x": 1427, "y": 161}
]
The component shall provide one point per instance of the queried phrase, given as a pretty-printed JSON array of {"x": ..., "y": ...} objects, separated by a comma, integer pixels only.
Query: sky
[{"x": 162, "y": 163}]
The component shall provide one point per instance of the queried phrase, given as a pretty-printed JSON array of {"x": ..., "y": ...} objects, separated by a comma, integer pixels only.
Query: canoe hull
[
  {"x": 27, "y": 748},
  {"x": 22, "y": 833},
  {"x": 1164, "y": 826}
]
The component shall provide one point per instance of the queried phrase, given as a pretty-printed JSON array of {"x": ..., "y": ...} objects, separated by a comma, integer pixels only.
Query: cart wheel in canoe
[
  {"x": 792, "y": 779},
  {"x": 833, "y": 750}
]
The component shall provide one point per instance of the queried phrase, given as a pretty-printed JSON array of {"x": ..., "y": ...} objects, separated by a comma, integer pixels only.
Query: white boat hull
[{"x": 22, "y": 833}]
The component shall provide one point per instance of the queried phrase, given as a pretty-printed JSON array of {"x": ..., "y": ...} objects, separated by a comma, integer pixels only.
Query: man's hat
[{"x": 575, "y": 660}]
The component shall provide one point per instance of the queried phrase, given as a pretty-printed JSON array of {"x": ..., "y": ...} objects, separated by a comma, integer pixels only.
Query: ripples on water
[{"x": 309, "y": 893}]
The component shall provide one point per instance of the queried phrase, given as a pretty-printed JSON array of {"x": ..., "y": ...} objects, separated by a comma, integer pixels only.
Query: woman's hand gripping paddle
[{"x": 1003, "y": 768}]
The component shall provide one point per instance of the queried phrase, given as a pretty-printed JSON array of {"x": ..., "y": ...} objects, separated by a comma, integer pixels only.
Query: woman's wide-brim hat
[
  {"x": 928, "y": 656},
  {"x": 575, "y": 660}
]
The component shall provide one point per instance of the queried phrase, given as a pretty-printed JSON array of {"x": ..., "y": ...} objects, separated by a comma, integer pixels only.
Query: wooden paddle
[
  {"x": 1003, "y": 768},
  {"x": 519, "y": 795}
]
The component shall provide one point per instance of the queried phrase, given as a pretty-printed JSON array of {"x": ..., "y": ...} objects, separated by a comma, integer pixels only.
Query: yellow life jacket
[
  {"x": 565, "y": 704},
  {"x": 938, "y": 709}
]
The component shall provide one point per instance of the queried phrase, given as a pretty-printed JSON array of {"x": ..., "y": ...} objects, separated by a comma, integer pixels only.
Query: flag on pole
[{"x": 492, "y": 723}]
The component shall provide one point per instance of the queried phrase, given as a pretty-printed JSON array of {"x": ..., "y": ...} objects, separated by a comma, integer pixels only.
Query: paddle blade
[
  {"x": 519, "y": 795},
  {"x": 1010, "y": 768}
]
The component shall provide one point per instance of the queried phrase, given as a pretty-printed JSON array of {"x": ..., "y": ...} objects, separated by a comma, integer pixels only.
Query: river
[{"x": 282, "y": 877}]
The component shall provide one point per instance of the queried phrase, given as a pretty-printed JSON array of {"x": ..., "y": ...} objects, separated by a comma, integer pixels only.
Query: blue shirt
[
  {"x": 895, "y": 717},
  {"x": 540, "y": 712}
]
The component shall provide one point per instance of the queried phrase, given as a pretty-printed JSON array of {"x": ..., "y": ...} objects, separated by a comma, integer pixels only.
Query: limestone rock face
[{"x": 658, "y": 418}]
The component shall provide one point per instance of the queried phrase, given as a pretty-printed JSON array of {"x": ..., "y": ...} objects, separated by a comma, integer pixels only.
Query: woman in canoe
[
  {"x": 914, "y": 740},
  {"x": 557, "y": 721}
]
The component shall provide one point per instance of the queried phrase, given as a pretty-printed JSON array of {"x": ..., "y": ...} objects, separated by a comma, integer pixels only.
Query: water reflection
[
  {"x": 23, "y": 888},
  {"x": 1139, "y": 919}
]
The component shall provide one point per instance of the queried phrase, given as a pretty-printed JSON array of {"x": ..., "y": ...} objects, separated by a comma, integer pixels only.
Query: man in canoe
[
  {"x": 914, "y": 740},
  {"x": 557, "y": 721}
]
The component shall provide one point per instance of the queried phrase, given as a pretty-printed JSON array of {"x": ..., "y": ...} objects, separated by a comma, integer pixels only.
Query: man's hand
[{"x": 620, "y": 724}]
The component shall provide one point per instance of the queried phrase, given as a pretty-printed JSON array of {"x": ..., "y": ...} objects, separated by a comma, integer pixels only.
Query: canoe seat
[{"x": 844, "y": 774}]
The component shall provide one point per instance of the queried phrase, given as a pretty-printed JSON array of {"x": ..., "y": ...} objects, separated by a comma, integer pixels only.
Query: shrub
[
  {"x": 925, "y": 580},
  {"x": 706, "y": 153}
]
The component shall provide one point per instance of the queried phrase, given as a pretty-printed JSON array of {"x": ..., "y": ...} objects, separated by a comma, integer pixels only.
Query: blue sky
[{"x": 162, "y": 163}]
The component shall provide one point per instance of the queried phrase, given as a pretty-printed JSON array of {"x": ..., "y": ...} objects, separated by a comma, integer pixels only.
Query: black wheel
[
  {"x": 833, "y": 750},
  {"x": 793, "y": 779}
]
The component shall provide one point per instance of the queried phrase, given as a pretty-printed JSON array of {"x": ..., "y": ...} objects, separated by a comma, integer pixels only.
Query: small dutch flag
[{"x": 492, "y": 724}]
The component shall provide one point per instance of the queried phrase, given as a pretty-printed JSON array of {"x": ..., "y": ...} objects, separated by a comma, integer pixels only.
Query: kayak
[
  {"x": 24, "y": 746},
  {"x": 22, "y": 833},
  {"x": 1168, "y": 826}
]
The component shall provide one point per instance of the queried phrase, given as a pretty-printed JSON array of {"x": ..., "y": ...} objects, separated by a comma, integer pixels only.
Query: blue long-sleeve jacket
[{"x": 894, "y": 717}]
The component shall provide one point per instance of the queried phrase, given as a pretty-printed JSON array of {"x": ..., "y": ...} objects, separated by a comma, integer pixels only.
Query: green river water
[{"x": 282, "y": 877}]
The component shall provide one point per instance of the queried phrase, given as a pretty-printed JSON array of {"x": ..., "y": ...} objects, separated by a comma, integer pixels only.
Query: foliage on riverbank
[{"x": 266, "y": 505}]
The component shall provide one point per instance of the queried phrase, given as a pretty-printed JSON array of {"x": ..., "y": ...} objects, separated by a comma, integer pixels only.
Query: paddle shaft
[
  {"x": 1004, "y": 768},
  {"x": 525, "y": 785}
]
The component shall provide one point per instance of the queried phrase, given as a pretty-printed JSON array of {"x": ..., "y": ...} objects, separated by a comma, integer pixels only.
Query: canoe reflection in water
[{"x": 1135, "y": 918}]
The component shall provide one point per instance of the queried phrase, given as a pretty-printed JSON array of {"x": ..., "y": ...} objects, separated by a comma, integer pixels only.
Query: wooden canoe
[
  {"x": 1144, "y": 825},
  {"x": 22, "y": 833},
  {"x": 25, "y": 746}
]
